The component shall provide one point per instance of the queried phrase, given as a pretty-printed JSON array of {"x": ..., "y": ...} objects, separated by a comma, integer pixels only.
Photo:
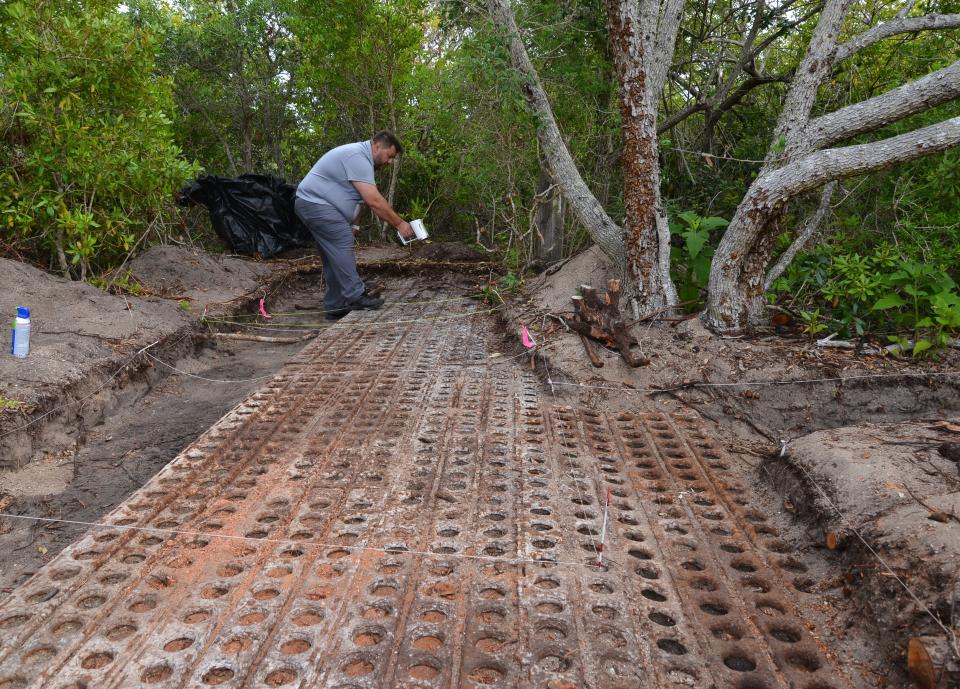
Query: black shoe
[
  {"x": 374, "y": 291},
  {"x": 336, "y": 314},
  {"x": 365, "y": 301}
]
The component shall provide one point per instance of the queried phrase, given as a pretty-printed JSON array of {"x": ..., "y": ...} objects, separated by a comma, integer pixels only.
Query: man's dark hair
[{"x": 387, "y": 139}]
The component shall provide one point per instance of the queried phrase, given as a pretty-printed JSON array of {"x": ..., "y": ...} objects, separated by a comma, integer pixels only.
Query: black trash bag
[{"x": 253, "y": 214}]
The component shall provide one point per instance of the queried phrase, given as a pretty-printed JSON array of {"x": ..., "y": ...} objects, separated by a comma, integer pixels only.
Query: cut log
[{"x": 601, "y": 320}]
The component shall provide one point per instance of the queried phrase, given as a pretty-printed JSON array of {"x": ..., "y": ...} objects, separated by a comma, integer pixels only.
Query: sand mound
[
  {"x": 590, "y": 267},
  {"x": 74, "y": 325},
  {"x": 204, "y": 279}
]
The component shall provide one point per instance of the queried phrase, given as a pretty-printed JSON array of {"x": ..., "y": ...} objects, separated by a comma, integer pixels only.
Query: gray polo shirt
[{"x": 329, "y": 180}]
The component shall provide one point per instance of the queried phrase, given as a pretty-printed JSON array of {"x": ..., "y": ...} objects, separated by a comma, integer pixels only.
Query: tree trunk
[
  {"x": 548, "y": 242},
  {"x": 602, "y": 229},
  {"x": 61, "y": 254},
  {"x": 809, "y": 231},
  {"x": 794, "y": 165},
  {"x": 395, "y": 168},
  {"x": 646, "y": 228}
]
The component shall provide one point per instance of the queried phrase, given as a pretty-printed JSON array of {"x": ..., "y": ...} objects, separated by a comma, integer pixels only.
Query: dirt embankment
[
  {"x": 882, "y": 503},
  {"x": 80, "y": 337}
]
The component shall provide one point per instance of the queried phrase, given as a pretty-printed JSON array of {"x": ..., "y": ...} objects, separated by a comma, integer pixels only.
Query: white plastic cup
[{"x": 419, "y": 230}]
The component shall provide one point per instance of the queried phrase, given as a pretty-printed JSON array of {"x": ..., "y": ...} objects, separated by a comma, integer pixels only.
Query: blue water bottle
[{"x": 20, "y": 342}]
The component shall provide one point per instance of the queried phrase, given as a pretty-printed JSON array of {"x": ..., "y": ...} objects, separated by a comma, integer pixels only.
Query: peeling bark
[{"x": 645, "y": 217}]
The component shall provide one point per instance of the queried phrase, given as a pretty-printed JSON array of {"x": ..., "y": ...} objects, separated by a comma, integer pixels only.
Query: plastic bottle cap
[{"x": 23, "y": 312}]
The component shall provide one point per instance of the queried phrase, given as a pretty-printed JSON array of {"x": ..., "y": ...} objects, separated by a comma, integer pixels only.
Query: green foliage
[
  {"x": 8, "y": 404},
  {"x": 89, "y": 161},
  {"x": 124, "y": 283},
  {"x": 691, "y": 260},
  {"x": 864, "y": 295},
  {"x": 231, "y": 64},
  {"x": 491, "y": 292},
  {"x": 811, "y": 322}
]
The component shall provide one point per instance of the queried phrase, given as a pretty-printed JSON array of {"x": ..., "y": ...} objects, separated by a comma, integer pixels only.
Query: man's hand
[{"x": 405, "y": 230}]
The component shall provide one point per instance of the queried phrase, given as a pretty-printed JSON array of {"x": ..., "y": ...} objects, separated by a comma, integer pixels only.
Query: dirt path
[{"x": 397, "y": 508}]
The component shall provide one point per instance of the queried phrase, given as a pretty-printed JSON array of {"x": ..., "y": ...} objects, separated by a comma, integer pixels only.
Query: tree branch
[
  {"x": 691, "y": 108},
  {"x": 810, "y": 74},
  {"x": 917, "y": 96},
  {"x": 895, "y": 27},
  {"x": 814, "y": 170},
  {"x": 665, "y": 44},
  {"x": 802, "y": 239},
  {"x": 606, "y": 233}
]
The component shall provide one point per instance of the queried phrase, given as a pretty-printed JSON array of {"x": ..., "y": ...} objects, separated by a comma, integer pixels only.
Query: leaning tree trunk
[
  {"x": 642, "y": 37},
  {"x": 601, "y": 228}
]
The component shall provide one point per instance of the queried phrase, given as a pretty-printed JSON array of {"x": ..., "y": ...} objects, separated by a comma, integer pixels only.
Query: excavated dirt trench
[{"x": 398, "y": 509}]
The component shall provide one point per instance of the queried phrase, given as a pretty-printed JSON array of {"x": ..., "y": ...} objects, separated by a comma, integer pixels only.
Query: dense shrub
[{"x": 89, "y": 162}]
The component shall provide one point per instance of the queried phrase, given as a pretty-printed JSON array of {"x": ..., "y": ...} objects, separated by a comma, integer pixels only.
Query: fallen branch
[
  {"x": 829, "y": 342},
  {"x": 685, "y": 402},
  {"x": 594, "y": 359},
  {"x": 896, "y": 348},
  {"x": 265, "y": 338}
]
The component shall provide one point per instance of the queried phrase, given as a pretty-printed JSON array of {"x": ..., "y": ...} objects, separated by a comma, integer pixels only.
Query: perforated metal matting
[{"x": 396, "y": 509}]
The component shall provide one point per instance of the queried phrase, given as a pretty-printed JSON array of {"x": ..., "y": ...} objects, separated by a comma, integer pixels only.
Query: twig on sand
[
  {"x": 935, "y": 514},
  {"x": 687, "y": 403},
  {"x": 765, "y": 434},
  {"x": 265, "y": 338}
]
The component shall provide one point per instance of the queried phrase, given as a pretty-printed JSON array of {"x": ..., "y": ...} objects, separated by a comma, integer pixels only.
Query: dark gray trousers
[{"x": 334, "y": 238}]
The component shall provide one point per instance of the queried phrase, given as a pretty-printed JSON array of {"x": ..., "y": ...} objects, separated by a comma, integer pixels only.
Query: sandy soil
[
  {"x": 205, "y": 280},
  {"x": 75, "y": 326},
  {"x": 896, "y": 488}
]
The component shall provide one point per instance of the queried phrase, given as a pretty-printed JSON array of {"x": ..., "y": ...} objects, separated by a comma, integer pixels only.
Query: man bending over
[{"x": 328, "y": 201}]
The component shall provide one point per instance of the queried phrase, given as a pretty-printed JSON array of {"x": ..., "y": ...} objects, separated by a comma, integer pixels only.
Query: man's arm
[
  {"x": 379, "y": 205},
  {"x": 355, "y": 223}
]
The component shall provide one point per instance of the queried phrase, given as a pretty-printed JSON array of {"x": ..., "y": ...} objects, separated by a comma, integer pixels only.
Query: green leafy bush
[
  {"x": 882, "y": 294},
  {"x": 691, "y": 260},
  {"x": 89, "y": 162}
]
